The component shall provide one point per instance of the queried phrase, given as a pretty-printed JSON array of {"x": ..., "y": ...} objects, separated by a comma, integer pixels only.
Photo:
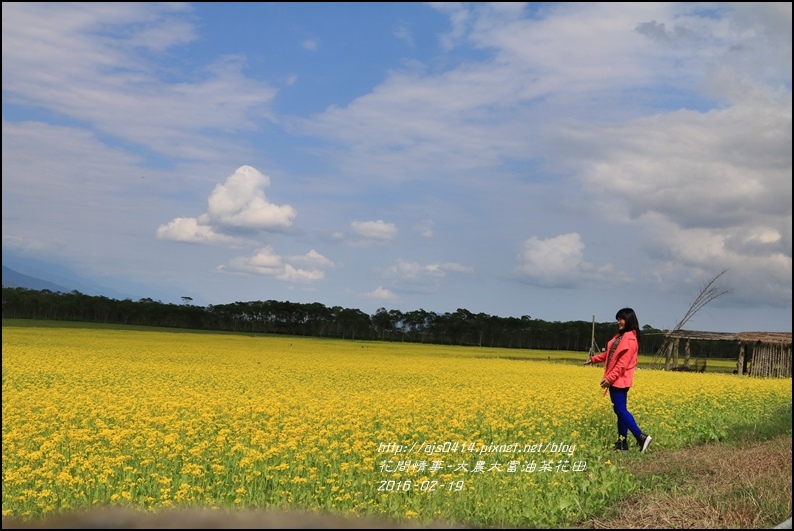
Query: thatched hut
[{"x": 769, "y": 352}]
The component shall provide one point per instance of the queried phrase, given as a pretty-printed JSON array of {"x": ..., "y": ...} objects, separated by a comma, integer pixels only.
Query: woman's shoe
[
  {"x": 622, "y": 444},
  {"x": 644, "y": 441}
]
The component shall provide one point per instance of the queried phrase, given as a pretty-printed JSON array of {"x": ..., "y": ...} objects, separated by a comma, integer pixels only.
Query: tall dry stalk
[{"x": 708, "y": 293}]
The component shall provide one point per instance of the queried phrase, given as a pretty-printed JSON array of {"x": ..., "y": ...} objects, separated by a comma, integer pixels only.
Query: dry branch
[{"x": 708, "y": 293}]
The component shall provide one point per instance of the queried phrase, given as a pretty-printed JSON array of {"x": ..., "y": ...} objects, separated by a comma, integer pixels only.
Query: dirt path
[{"x": 713, "y": 486}]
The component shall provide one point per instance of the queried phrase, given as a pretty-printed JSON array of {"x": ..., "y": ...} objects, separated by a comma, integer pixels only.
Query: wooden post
[
  {"x": 779, "y": 361},
  {"x": 741, "y": 366},
  {"x": 755, "y": 360},
  {"x": 768, "y": 362},
  {"x": 767, "y": 366},
  {"x": 759, "y": 361},
  {"x": 748, "y": 361},
  {"x": 687, "y": 354},
  {"x": 782, "y": 361},
  {"x": 675, "y": 352},
  {"x": 667, "y": 353}
]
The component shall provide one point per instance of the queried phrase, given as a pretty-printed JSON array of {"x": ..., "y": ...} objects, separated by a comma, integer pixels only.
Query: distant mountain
[
  {"x": 40, "y": 275},
  {"x": 32, "y": 273},
  {"x": 51, "y": 272},
  {"x": 14, "y": 279}
]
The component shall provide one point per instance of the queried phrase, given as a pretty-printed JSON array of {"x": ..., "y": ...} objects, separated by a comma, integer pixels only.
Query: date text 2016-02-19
[{"x": 422, "y": 486}]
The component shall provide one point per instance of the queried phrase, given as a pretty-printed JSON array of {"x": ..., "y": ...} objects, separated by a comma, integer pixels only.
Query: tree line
[{"x": 460, "y": 327}]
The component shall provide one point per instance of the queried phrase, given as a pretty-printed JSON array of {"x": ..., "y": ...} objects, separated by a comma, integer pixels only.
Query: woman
[{"x": 621, "y": 360}]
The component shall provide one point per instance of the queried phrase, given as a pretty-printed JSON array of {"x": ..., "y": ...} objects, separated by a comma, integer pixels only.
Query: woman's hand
[
  {"x": 605, "y": 383},
  {"x": 587, "y": 362}
]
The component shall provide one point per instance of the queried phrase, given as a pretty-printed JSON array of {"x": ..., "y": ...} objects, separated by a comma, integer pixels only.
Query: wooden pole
[
  {"x": 782, "y": 361},
  {"x": 741, "y": 365},
  {"x": 770, "y": 361},
  {"x": 748, "y": 365},
  {"x": 776, "y": 361},
  {"x": 762, "y": 363},
  {"x": 687, "y": 354},
  {"x": 593, "y": 346},
  {"x": 768, "y": 364}
]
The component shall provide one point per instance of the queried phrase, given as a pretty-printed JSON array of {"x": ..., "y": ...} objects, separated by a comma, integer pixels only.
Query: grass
[
  {"x": 743, "y": 482},
  {"x": 740, "y": 484},
  {"x": 713, "y": 486}
]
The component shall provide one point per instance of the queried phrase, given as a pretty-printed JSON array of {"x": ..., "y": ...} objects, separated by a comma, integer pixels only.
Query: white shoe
[{"x": 646, "y": 442}]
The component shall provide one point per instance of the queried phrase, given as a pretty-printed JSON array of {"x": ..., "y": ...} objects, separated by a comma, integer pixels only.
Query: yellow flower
[{"x": 316, "y": 443}]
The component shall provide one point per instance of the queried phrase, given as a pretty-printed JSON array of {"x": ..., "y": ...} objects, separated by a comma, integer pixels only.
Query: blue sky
[{"x": 556, "y": 160}]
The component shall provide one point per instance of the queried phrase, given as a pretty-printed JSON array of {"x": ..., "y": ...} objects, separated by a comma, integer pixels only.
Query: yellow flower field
[{"x": 155, "y": 419}]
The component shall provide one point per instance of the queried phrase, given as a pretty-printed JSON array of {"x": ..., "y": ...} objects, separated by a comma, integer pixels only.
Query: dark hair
[{"x": 631, "y": 321}]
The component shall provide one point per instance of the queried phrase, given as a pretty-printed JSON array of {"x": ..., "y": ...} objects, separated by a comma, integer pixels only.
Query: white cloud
[
  {"x": 459, "y": 17},
  {"x": 238, "y": 204},
  {"x": 92, "y": 63},
  {"x": 310, "y": 45},
  {"x": 68, "y": 174},
  {"x": 710, "y": 190},
  {"x": 22, "y": 244},
  {"x": 263, "y": 262},
  {"x": 241, "y": 203},
  {"x": 452, "y": 267},
  {"x": 267, "y": 262},
  {"x": 374, "y": 231},
  {"x": 311, "y": 259},
  {"x": 554, "y": 262},
  {"x": 718, "y": 169},
  {"x": 381, "y": 293},
  {"x": 425, "y": 228},
  {"x": 404, "y": 34},
  {"x": 188, "y": 230},
  {"x": 757, "y": 255},
  {"x": 479, "y": 113},
  {"x": 294, "y": 274},
  {"x": 417, "y": 278}
]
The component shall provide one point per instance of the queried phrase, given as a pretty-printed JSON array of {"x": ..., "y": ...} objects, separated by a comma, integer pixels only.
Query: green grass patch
[{"x": 775, "y": 423}]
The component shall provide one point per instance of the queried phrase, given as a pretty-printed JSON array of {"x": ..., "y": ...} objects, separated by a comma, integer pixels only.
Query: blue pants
[{"x": 619, "y": 396}]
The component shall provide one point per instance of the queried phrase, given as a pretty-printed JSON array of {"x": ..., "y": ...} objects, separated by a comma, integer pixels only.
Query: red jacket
[{"x": 620, "y": 372}]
